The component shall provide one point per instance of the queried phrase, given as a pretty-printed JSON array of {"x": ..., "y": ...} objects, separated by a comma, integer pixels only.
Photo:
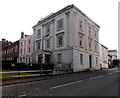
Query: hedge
[{"x": 23, "y": 66}]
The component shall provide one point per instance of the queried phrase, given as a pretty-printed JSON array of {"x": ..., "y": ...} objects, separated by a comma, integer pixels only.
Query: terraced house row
[{"x": 68, "y": 37}]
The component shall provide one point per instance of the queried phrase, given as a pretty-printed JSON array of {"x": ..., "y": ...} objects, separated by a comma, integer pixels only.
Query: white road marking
[
  {"x": 110, "y": 73},
  {"x": 74, "y": 82},
  {"x": 117, "y": 71},
  {"x": 66, "y": 84},
  {"x": 21, "y": 96},
  {"x": 100, "y": 76},
  {"x": 96, "y": 77}
]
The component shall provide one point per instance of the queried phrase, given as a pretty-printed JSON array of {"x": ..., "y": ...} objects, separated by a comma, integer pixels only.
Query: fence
[
  {"x": 63, "y": 67},
  {"x": 44, "y": 71},
  {"x": 19, "y": 73}
]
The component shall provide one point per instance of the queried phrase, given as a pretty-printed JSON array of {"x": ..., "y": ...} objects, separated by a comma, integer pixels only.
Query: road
[{"x": 96, "y": 83}]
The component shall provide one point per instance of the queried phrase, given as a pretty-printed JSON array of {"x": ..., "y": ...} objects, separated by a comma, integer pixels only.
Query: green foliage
[{"x": 116, "y": 62}]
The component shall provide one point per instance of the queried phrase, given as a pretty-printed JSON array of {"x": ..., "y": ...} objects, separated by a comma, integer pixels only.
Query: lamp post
[{"x": 42, "y": 50}]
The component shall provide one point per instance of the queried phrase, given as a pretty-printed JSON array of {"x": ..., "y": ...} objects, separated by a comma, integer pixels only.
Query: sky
[{"x": 18, "y": 16}]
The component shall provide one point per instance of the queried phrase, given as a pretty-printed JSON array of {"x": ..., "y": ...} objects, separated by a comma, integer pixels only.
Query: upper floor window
[
  {"x": 24, "y": 51},
  {"x": 81, "y": 24},
  {"x": 29, "y": 49},
  {"x": 89, "y": 29},
  {"x": 29, "y": 41},
  {"x": 48, "y": 28},
  {"x": 16, "y": 49},
  {"x": 60, "y": 40},
  {"x": 48, "y": 43},
  {"x": 96, "y": 47},
  {"x": 81, "y": 41},
  {"x": 38, "y": 45},
  {"x": 21, "y": 44},
  {"x": 59, "y": 24},
  {"x": 21, "y": 51},
  {"x": 90, "y": 44},
  {"x": 95, "y": 33},
  {"x": 39, "y": 33},
  {"x": 12, "y": 50}
]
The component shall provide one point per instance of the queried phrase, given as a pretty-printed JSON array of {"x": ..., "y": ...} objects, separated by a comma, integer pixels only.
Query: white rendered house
[
  {"x": 113, "y": 53},
  {"x": 67, "y": 37},
  {"x": 103, "y": 56}
]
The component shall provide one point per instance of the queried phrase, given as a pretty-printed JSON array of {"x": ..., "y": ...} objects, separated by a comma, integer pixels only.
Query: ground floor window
[
  {"x": 81, "y": 58},
  {"x": 59, "y": 58},
  {"x": 96, "y": 61}
]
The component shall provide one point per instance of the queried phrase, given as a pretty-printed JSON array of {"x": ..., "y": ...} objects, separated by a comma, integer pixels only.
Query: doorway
[
  {"x": 40, "y": 58},
  {"x": 90, "y": 61},
  {"x": 47, "y": 58}
]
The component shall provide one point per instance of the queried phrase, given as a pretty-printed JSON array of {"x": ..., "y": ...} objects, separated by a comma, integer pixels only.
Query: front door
[
  {"x": 40, "y": 58},
  {"x": 47, "y": 58},
  {"x": 90, "y": 61}
]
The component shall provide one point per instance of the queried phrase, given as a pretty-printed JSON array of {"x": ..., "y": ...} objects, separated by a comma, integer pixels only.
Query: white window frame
[
  {"x": 38, "y": 33},
  {"x": 48, "y": 29},
  {"x": 60, "y": 24},
  {"x": 48, "y": 43},
  {"x": 58, "y": 40}
]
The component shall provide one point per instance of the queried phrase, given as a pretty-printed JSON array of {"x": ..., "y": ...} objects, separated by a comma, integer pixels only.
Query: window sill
[
  {"x": 59, "y": 29},
  {"x": 47, "y": 34},
  {"x": 80, "y": 29},
  {"x": 82, "y": 63},
  {"x": 81, "y": 46},
  {"x": 59, "y": 46},
  {"x": 90, "y": 49}
]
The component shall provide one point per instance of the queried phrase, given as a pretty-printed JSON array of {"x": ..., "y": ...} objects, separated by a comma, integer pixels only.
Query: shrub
[
  {"x": 18, "y": 66},
  {"x": 6, "y": 66},
  {"x": 47, "y": 66},
  {"x": 116, "y": 62}
]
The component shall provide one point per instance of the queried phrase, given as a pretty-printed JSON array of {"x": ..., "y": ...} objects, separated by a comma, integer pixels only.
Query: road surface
[{"x": 96, "y": 83}]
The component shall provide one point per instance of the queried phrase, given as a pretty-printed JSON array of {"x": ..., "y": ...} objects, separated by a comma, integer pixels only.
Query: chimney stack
[
  {"x": 3, "y": 40},
  {"x": 22, "y": 34}
]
